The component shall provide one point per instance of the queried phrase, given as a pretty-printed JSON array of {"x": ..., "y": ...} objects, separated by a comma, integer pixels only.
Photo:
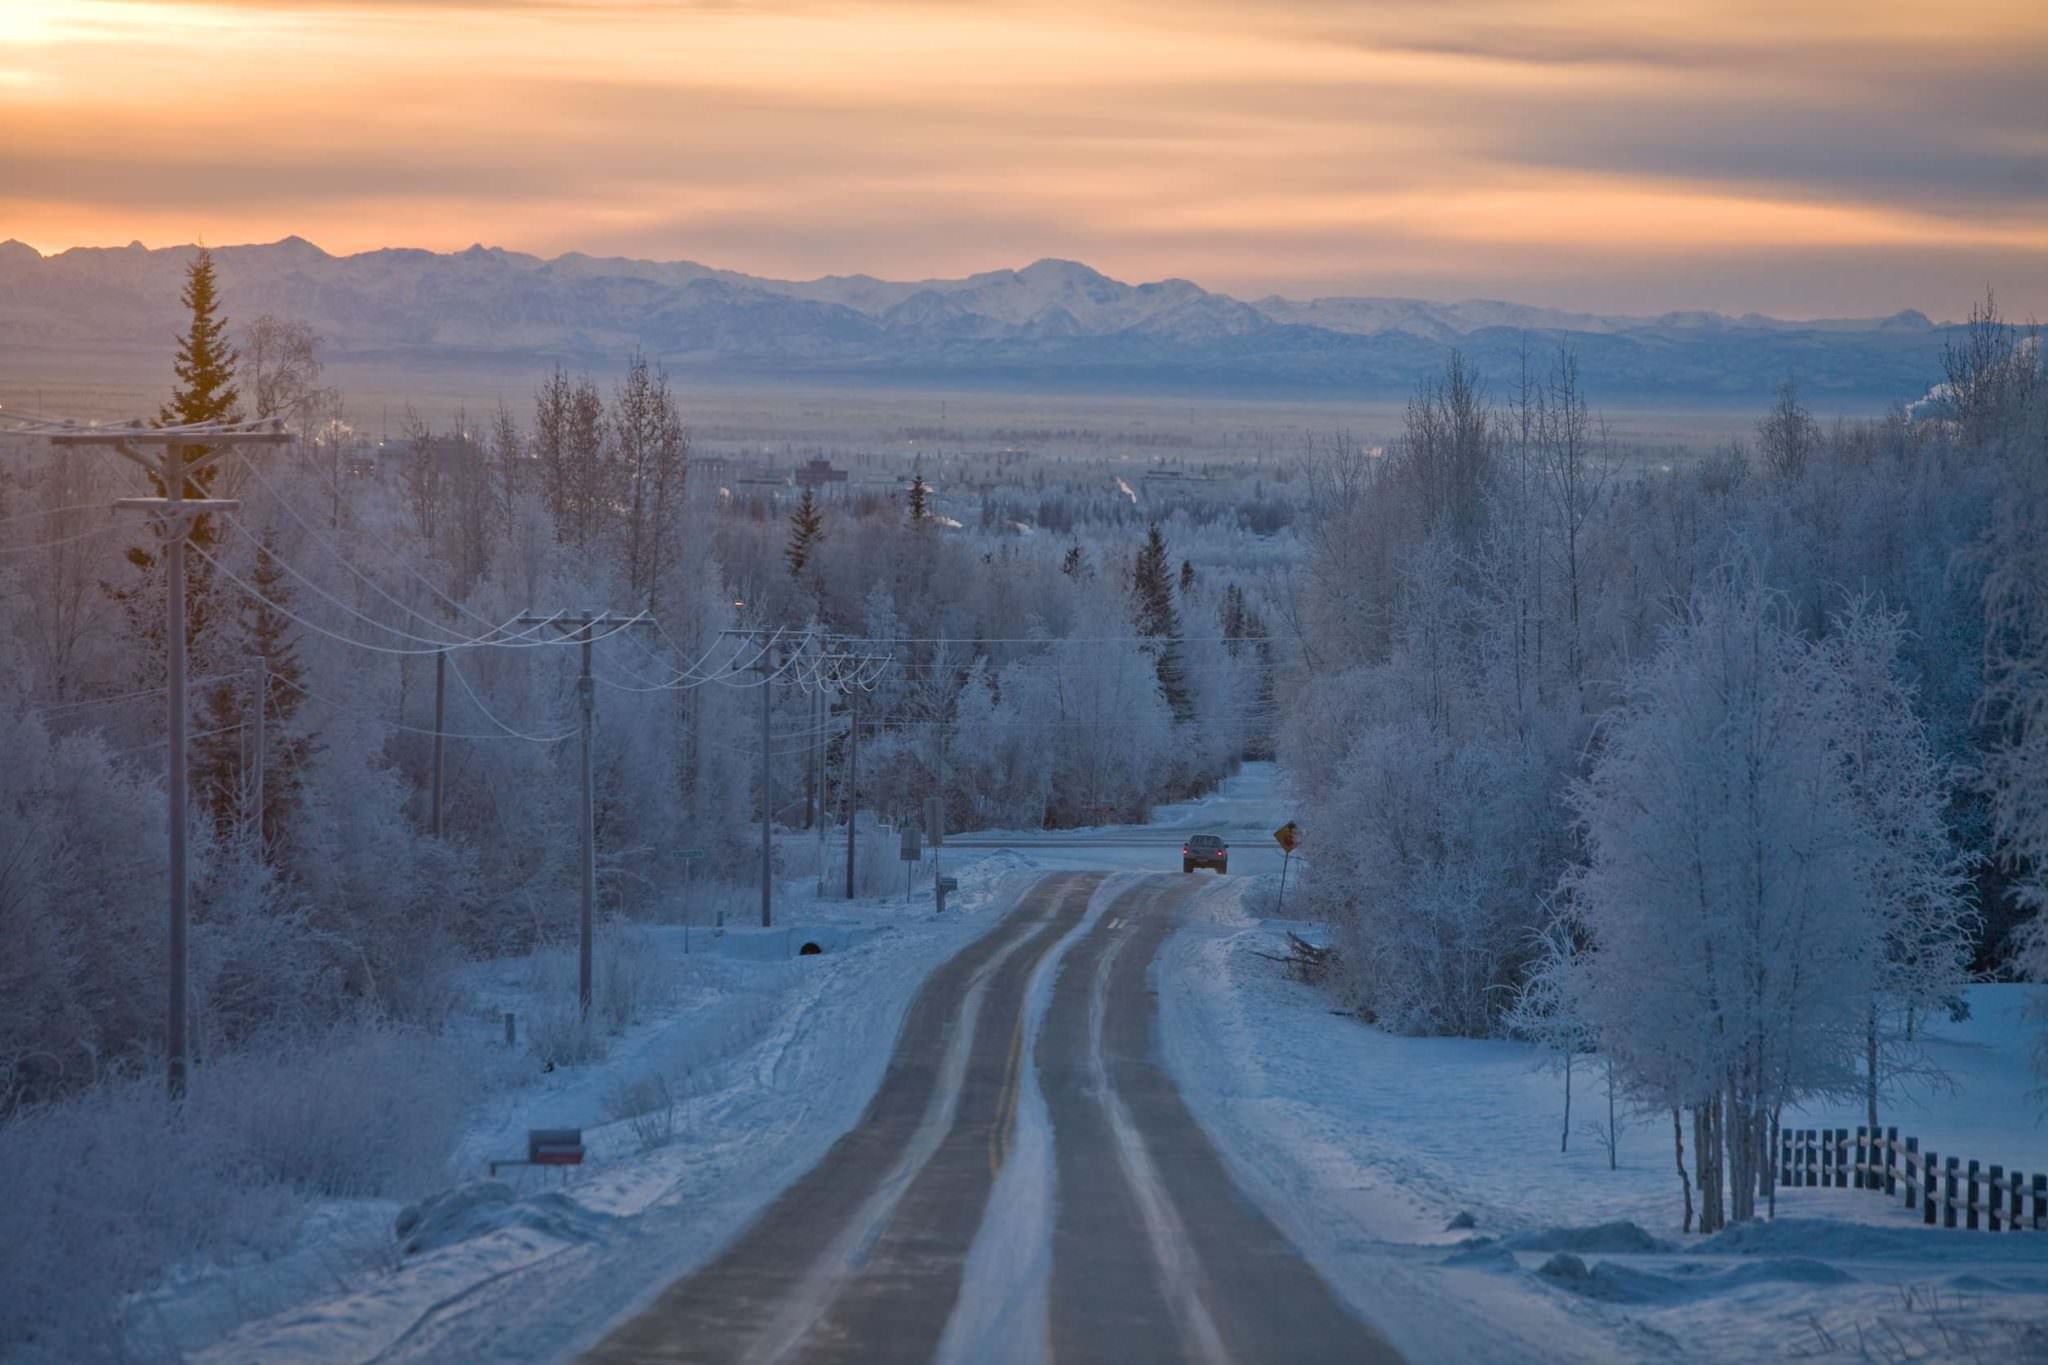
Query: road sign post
[
  {"x": 935, "y": 831},
  {"x": 1288, "y": 836},
  {"x": 911, "y": 852}
]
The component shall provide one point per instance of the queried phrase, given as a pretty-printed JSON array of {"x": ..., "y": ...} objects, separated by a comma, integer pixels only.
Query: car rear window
[{"x": 1205, "y": 841}]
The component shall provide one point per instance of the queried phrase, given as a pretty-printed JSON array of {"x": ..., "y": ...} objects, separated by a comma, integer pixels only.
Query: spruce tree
[
  {"x": 806, "y": 531},
  {"x": 206, "y": 389},
  {"x": 1187, "y": 576},
  {"x": 225, "y": 756},
  {"x": 1075, "y": 565},
  {"x": 268, "y": 634},
  {"x": 1152, "y": 593},
  {"x": 205, "y": 392},
  {"x": 1230, "y": 616},
  {"x": 920, "y": 499}
]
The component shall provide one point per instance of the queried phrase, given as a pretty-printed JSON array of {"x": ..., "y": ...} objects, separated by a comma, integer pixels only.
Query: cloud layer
[{"x": 1835, "y": 159}]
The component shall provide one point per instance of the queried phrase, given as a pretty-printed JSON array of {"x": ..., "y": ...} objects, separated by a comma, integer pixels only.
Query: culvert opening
[{"x": 809, "y": 950}]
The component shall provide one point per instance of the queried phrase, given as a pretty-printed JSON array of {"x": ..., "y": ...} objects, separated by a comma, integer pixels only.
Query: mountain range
[{"x": 1051, "y": 325}]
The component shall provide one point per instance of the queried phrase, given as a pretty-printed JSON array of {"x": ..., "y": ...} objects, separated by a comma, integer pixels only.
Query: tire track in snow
[
  {"x": 756, "y": 1302},
  {"x": 1157, "y": 1252}
]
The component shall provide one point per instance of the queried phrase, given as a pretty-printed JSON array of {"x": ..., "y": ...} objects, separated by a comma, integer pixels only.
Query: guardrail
[{"x": 1947, "y": 1191}]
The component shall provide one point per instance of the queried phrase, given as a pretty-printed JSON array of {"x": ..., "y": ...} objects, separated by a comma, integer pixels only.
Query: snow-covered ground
[
  {"x": 1366, "y": 1147},
  {"x": 1363, "y": 1146},
  {"x": 757, "y": 1056}
]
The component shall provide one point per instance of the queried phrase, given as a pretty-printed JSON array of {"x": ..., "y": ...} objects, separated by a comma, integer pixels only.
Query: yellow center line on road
[{"x": 1006, "y": 1104}]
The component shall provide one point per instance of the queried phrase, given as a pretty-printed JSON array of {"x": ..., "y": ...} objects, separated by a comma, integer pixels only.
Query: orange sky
[{"x": 1800, "y": 158}]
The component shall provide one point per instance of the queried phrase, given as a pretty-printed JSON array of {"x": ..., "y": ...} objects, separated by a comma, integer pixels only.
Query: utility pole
[
  {"x": 817, "y": 666},
  {"x": 582, "y": 627},
  {"x": 173, "y": 515},
  {"x": 810, "y": 760},
  {"x": 440, "y": 725},
  {"x": 262, "y": 705},
  {"x": 822, "y": 714},
  {"x": 852, "y": 781},
  {"x": 762, "y": 662},
  {"x": 586, "y": 696}
]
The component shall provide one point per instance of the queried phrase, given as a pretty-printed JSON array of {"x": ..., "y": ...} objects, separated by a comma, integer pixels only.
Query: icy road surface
[{"x": 1155, "y": 1254}]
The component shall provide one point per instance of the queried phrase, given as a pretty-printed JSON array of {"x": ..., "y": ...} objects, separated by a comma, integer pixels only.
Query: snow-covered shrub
[
  {"x": 1418, "y": 868},
  {"x": 647, "y": 1106},
  {"x": 359, "y": 1109},
  {"x": 626, "y": 976},
  {"x": 559, "y": 1033},
  {"x": 394, "y": 906},
  {"x": 877, "y": 866},
  {"x": 82, "y": 845},
  {"x": 103, "y": 1193},
  {"x": 626, "y": 980}
]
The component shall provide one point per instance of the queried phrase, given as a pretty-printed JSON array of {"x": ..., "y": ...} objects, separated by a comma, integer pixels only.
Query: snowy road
[
  {"x": 1155, "y": 1253},
  {"x": 1245, "y": 811}
]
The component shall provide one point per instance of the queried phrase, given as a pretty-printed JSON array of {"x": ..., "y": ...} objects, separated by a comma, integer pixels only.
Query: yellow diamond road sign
[{"x": 1288, "y": 836}]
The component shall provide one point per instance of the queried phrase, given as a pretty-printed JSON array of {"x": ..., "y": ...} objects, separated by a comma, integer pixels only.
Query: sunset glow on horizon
[{"x": 1824, "y": 158}]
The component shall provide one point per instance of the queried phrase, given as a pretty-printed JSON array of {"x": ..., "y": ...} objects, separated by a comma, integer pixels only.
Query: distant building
[{"x": 818, "y": 473}]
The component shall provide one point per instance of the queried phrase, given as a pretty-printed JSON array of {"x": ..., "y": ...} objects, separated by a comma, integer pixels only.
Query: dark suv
[{"x": 1205, "y": 850}]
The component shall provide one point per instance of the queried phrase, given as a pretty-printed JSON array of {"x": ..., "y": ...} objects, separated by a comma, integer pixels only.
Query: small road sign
[
  {"x": 909, "y": 849},
  {"x": 1288, "y": 836}
]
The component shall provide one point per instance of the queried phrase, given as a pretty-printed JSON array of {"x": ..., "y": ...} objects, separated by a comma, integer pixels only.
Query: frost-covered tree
[
  {"x": 279, "y": 367},
  {"x": 653, "y": 461},
  {"x": 1447, "y": 455},
  {"x": 82, "y": 844},
  {"x": 1548, "y": 1009},
  {"x": 1923, "y": 906},
  {"x": 1787, "y": 437},
  {"x": 227, "y": 761},
  {"x": 1742, "y": 875},
  {"x": 2001, "y": 383}
]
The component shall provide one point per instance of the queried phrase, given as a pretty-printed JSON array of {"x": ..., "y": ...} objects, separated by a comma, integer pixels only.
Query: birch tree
[{"x": 1744, "y": 873}]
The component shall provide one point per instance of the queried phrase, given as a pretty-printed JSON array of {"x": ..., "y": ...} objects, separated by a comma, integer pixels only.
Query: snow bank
[
  {"x": 1365, "y": 1147},
  {"x": 485, "y": 1206},
  {"x": 764, "y": 1061}
]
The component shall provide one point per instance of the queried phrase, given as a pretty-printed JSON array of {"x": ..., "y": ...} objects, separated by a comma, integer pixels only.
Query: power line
[
  {"x": 401, "y": 726},
  {"x": 345, "y": 608},
  {"x": 511, "y": 733},
  {"x": 85, "y": 703},
  {"x": 203, "y": 734},
  {"x": 394, "y": 557},
  {"x": 66, "y": 540},
  {"x": 286, "y": 612},
  {"x": 99, "y": 506}
]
